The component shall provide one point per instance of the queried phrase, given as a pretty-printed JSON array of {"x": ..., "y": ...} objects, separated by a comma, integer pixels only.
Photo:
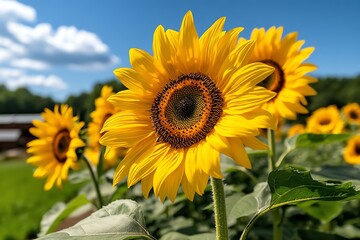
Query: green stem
[
  {"x": 251, "y": 224},
  {"x": 277, "y": 223},
  {"x": 219, "y": 209},
  {"x": 272, "y": 148},
  {"x": 95, "y": 181}
]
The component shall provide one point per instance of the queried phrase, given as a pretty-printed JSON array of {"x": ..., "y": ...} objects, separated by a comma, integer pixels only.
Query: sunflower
[
  {"x": 296, "y": 129},
  {"x": 352, "y": 150},
  {"x": 289, "y": 80},
  {"x": 196, "y": 97},
  {"x": 325, "y": 120},
  {"x": 351, "y": 112},
  {"x": 54, "y": 152},
  {"x": 103, "y": 110}
]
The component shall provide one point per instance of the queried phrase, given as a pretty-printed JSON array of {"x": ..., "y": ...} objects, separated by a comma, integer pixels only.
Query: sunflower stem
[
  {"x": 277, "y": 223},
  {"x": 95, "y": 181},
  {"x": 272, "y": 148},
  {"x": 219, "y": 209}
]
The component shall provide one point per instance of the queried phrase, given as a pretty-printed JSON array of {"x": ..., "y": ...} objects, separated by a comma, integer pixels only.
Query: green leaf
[
  {"x": 59, "y": 212},
  {"x": 293, "y": 186},
  {"x": 311, "y": 140},
  {"x": 321, "y": 210},
  {"x": 252, "y": 203},
  {"x": 121, "y": 219},
  {"x": 177, "y": 236}
]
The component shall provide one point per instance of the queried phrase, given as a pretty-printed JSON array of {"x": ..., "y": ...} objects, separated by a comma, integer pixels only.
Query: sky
[{"x": 62, "y": 48}]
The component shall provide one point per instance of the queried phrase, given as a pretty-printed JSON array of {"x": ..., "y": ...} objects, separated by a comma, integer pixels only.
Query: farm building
[{"x": 14, "y": 130}]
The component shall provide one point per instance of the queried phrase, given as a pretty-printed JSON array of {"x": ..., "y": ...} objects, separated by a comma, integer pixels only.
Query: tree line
[{"x": 331, "y": 90}]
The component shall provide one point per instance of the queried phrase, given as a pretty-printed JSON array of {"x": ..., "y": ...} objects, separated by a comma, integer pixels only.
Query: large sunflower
[
  {"x": 352, "y": 150},
  {"x": 325, "y": 120},
  {"x": 352, "y": 113},
  {"x": 196, "y": 97},
  {"x": 54, "y": 150},
  {"x": 289, "y": 79},
  {"x": 103, "y": 110}
]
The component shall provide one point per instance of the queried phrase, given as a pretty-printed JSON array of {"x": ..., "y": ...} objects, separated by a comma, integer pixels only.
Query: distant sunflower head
[
  {"x": 196, "y": 97},
  {"x": 352, "y": 150},
  {"x": 289, "y": 80},
  {"x": 296, "y": 129},
  {"x": 103, "y": 110},
  {"x": 54, "y": 150},
  {"x": 351, "y": 112},
  {"x": 325, "y": 120}
]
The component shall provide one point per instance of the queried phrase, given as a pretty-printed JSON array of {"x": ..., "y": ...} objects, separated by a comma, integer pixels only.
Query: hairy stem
[{"x": 219, "y": 209}]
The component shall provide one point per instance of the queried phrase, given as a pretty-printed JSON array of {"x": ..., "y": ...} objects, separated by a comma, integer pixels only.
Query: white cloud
[
  {"x": 11, "y": 10},
  {"x": 9, "y": 49},
  {"x": 28, "y": 46},
  {"x": 15, "y": 78},
  {"x": 29, "y": 63},
  {"x": 66, "y": 46}
]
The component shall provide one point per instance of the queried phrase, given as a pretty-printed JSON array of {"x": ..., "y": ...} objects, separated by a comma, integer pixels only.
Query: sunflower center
[
  {"x": 186, "y": 110},
  {"x": 275, "y": 82},
  {"x": 357, "y": 148},
  {"x": 185, "y": 106},
  {"x": 353, "y": 115},
  {"x": 324, "y": 121},
  {"x": 61, "y": 145}
]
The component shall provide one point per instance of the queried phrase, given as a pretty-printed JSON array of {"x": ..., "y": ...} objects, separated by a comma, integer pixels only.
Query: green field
[{"x": 23, "y": 200}]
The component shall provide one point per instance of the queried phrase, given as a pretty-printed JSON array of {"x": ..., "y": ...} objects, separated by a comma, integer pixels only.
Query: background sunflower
[
  {"x": 103, "y": 110},
  {"x": 289, "y": 80},
  {"x": 351, "y": 112},
  {"x": 352, "y": 150},
  {"x": 325, "y": 120},
  {"x": 54, "y": 152}
]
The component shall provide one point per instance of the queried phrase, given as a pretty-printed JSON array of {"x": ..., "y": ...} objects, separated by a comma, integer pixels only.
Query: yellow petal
[
  {"x": 141, "y": 151},
  {"x": 189, "y": 45},
  {"x": 140, "y": 168},
  {"x": 246, "y": 78},
  {"x": 188, "y": 189},
  {"x": 250, "y": 101},
  {"x": 170, "y": 185},
  {"x": 129, "y": 100},
  {"x": 166, "y": 167},
  {"x": 254, "y": 143},
  {"x": 147, "y": 184},
  {"x": 236, "y": 125},
  {"x": 239, "y": 154}
]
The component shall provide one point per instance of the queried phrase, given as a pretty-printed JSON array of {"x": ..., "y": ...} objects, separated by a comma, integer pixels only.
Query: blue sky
[{"x": 58, "y": 48}]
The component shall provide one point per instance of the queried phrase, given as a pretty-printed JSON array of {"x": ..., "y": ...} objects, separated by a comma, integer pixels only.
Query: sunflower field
[{"x": 204, "y": 142}]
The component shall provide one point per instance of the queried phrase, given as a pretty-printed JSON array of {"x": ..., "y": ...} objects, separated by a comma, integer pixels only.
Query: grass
[{"x": 23, "y": 200}]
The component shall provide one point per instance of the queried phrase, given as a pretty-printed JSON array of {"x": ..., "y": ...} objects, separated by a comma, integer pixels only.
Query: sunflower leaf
[
  {"x": 176, "y": 236},
  {"x": 121, "y": 219},
  {"x": 252, "y": 203},
  {"x": 312, "y": 140},
  {"x": 309, "y": 140},
  {"x": 59, "y": 212},
  {"x": 294, "y": 186},
  {"x": 324, "y": 211}
]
